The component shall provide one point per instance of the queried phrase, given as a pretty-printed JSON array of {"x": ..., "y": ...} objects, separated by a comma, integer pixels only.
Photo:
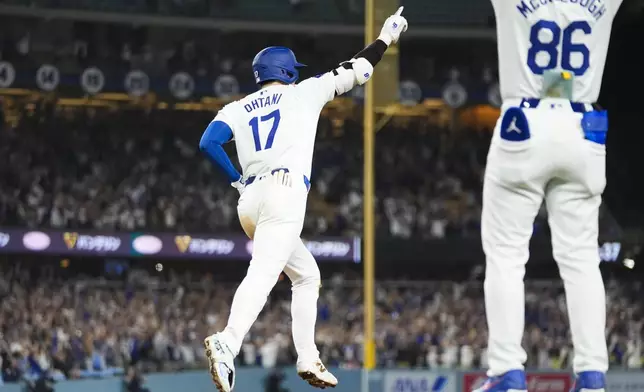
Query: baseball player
[
  {"x": 548, "y": 145},
  {"x": 274, "y": 132}
]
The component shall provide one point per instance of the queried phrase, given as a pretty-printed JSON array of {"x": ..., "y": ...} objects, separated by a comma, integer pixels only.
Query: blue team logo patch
[{"x": 514, "y": 126}]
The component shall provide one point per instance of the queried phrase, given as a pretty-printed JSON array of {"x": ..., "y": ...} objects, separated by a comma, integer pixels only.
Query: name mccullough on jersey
[{"x": 595, "y": 7}]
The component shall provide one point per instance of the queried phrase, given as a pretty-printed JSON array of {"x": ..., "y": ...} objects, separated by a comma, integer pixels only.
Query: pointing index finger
[{"x": 400, "y": 10}]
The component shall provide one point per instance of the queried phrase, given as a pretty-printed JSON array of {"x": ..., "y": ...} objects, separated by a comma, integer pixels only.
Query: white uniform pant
[
  {"x": 558, "y": 165},
  {"x": 273, "y": 206}
]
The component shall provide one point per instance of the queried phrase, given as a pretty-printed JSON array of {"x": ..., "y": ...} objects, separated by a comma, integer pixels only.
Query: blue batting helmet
[{"x": 276, "y": 63}]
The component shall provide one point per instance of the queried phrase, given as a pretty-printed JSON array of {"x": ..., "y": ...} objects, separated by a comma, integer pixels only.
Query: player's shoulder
[
  {"x": 229, "y": 107},
  {"x": 318, "y": 89},
  {"x": 236, "y": 105},
  {"x": 319, "y": 85},
  {"x": 231, "y": 112},
  {"x": 240, "y": 102},
  {"x": 315, "y": 81}
]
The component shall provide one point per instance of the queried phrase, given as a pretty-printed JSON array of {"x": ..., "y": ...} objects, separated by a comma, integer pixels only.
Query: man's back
[
  {"x": 276, "y": 126},
  {"x": 537, "y": 36}
]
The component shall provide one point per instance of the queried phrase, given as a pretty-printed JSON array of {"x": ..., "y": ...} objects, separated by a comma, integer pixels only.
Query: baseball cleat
[
  {"x": 316, "y": 375},
  {"x": 222, "y": 362},
  {"x": 512, "y": 381},
  {"x": 589, "y": 381}
]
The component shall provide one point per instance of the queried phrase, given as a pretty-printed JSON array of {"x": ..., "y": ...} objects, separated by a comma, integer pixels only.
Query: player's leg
[
  {"x": 506, "y": 228},
  {"x": 280, "y": 220},
  {"x": 512, "y": 195},
  {"x": 276, "y": 236},
  {"x": 573, "y": 215},
  {"x": 270, "y": 247},
  {"x": 304, "y": 274}
]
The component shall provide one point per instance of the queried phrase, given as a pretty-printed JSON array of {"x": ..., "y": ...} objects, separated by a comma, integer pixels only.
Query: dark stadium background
[{"x": 429, "y": 297}]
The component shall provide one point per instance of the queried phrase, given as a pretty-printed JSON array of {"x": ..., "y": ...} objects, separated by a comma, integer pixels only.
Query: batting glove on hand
[
  {"x": 239, "y": 185},
  {"x": 395, "y": 25}
]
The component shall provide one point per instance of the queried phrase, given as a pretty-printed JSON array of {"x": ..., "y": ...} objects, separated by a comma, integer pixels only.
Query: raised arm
[{"x": 358, "y": 70}]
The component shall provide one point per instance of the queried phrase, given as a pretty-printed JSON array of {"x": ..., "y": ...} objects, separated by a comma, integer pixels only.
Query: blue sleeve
[{"x": 218, "y": 133}]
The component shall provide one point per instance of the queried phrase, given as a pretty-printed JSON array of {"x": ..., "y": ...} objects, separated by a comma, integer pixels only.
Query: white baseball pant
[
  {"x": 558, "y": 165},
  {"x": 271, "y": 211}
]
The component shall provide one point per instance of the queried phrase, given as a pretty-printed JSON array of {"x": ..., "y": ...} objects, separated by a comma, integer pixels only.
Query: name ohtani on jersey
[{"x": 271, "y": 100}]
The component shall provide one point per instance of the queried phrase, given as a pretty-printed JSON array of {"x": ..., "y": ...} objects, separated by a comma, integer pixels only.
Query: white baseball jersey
[
  {"x": 539, "y": 35},
  {"x": 275, "y": 127}
]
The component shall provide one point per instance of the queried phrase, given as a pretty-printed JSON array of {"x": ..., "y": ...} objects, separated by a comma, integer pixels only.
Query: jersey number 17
[
  {"x": 559, "y": 47},
  {"x": 255, "y": 125}
]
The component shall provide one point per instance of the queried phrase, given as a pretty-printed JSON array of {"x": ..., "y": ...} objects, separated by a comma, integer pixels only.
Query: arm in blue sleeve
[{"x": 218, "y": 133}]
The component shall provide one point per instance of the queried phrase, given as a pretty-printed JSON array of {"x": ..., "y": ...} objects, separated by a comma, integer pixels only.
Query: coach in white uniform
[
  {"x": 548, "y": 145},
  {"x": 274, "y": 131}
]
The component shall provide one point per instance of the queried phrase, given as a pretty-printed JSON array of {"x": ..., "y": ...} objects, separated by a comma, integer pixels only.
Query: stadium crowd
[
  {"x": 130, "y": 170},
  {"x": 74, "y": 324}
]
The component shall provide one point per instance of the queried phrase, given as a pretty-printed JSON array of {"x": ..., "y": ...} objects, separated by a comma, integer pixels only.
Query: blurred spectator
[
  {"x": 273, "y": 382},
  {"x": 134, "y": 381}
]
